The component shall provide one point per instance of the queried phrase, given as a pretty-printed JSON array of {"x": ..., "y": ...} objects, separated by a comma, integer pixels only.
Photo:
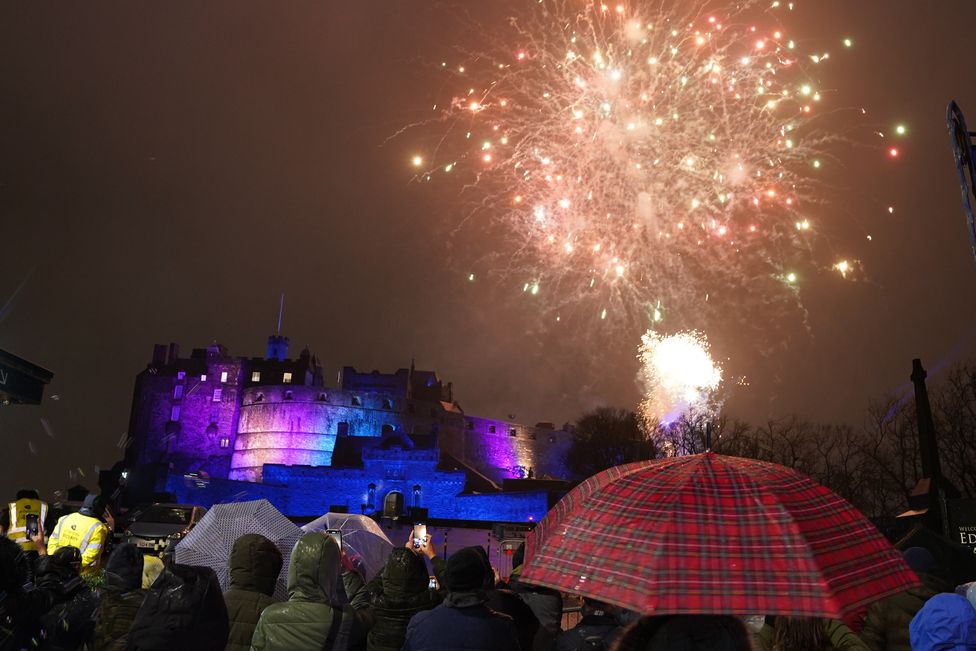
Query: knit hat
[{"x": 465, "y": 571}]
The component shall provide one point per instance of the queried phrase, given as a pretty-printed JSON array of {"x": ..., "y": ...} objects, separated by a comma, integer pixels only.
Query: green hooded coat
[
  {"x": 399, "y": 592},
  {"x": 255, "y": 564},
  {"x": 305, "y": 621}
]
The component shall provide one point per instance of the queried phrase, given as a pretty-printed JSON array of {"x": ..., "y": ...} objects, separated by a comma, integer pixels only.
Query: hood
[
  {"x": 313, "y": 571},
  {"x": 255, "y": 564},
  {"x": 124, "y": 568},
  {"x": 405, "y": 574},
  {"x": 946, "y": 622}
]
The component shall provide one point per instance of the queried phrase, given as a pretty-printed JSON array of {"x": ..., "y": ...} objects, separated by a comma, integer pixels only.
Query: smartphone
[
  {"x": 419, "y": 535},
  {"x": 31, "y": 524},
  {"x": 432, "y": 584},
  {"x": 336, "y": 535}
]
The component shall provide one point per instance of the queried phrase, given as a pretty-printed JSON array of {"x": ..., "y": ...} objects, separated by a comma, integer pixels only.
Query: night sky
[{"x": 168, "y": 169}]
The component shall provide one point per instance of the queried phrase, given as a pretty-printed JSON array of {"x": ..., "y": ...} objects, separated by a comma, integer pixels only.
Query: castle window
[
  {"x": 225, "y": 442},
  {"x": 288, "y": 395},
  {"x": 371, "y": 496},
  {"x": 203, "y": 377},
  {"x": 218, "y": 394},
  {"x": 416, "y": 495},
  {"x": 491, "y": 429},
  {"x": 387, "y": 403},
  {"x": 181, "y": 375},
  {"x": 174, "y": 413},
  {"x": 212, "y": 429},
  {"x": 223, "y": 376},
  {"x": 342, "y": 429},
  {"x": 259, "y": 398},
  {"x": 177, "y": 392},
  {"x": 255, "y": 376},
  {"x": 512, "y": 431},
  {"x": 323, "y": 397},
  {"x": 357, "y": 401},
  {"x": 469, "y": 424},
  {"x": 286, "y": 378}
]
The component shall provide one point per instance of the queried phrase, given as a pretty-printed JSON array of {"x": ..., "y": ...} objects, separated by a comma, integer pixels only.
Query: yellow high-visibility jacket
[
  {"x": 86, "y": 533},
  {"x": 19, "y": 511}
]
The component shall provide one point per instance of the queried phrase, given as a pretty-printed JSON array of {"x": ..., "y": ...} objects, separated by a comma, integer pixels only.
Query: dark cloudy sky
[{"x": 167, "y": 169}]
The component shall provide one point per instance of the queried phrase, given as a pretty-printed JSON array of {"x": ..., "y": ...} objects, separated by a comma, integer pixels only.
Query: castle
[{"x": 213, "y": 428}]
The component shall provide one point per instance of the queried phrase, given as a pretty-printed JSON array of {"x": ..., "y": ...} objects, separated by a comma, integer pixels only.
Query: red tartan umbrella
[{"x": 713, "y": 534}]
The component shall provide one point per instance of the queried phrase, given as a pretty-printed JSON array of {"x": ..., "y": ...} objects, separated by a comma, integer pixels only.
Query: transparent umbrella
[
  {"x": 361, "y": 537},
  {"x": 210, "y": 541}
]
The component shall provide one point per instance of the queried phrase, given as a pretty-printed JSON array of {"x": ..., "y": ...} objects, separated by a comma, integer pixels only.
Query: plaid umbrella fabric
[
  {"x": 361, "y": 537},
  {"x": 713, "y": 534},
  {"x": 210, "y": 541}
]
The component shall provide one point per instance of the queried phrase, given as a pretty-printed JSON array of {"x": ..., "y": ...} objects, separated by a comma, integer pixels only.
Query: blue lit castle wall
[{"x": 269, "y": 427}]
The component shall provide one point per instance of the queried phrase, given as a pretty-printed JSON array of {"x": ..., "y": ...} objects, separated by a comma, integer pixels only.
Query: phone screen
[
  {"x": 336, "y": 535},
  {"x": 31, "y": 525},
  {"x": 419, "y": 535}
]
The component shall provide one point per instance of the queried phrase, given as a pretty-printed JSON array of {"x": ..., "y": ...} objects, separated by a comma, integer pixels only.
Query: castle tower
[{"x": 277, "y": 348}]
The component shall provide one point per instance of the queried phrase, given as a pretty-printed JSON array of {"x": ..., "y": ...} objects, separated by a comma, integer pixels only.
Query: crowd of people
[{"x": 62, "y": 592}]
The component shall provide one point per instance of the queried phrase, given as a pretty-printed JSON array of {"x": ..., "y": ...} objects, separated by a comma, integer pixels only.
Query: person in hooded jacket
[
  {"x": 311, "y": 620},
  {"x": 947, "y": 622},
  {"x": 400, "y": 591},
  {"x": 255, "y": 563},
  {"x": 183, "y": 611},
  {"x": 547, "y": 604},
  {"x": 597, "y": 629},
  {"x": 886, "y": 624},
  {"x": 505, "y": 601},
  {"x": 122, "y": 596},
  {"x": 463, "y": 621}
]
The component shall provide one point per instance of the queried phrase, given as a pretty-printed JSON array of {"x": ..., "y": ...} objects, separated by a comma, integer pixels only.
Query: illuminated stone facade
[{"x": 212, "y": 427}]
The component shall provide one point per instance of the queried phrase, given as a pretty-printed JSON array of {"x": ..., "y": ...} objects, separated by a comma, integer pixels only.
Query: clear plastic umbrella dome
[
  {"x": 361, "y": 537},
  {"x": 209, "y": 543}
]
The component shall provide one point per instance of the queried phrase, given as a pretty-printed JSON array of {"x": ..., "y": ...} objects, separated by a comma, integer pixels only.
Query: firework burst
[
  {"x": 640, "y": 160},
  {"x": 678, "y": 378}
]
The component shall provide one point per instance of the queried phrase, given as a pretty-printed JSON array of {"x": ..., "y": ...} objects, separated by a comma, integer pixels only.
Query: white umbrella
[
  {"x": 209, "y": 543},
  {"x": 361, "y": 537}
]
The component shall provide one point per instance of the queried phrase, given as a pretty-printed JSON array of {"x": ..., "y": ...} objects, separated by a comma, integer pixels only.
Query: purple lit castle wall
[{"x": 212, "y": 426}]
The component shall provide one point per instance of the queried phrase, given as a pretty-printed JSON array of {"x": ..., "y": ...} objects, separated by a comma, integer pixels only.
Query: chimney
[
  {"x": 277, "y": 348},
  {"x": 159, "y": 355},
  {"x": 174, "y": 353}
]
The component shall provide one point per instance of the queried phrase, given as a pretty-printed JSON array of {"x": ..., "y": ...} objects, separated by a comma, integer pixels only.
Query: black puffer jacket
[
  {"x": 20, "y": 610},
  {"x": 183, "y": 611},
  {"x": 398, "y": 593},
  {"x": 122, "y": 595},
  {"x": 255, "y": 563},
  {"x": 70, "y": 622}
]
